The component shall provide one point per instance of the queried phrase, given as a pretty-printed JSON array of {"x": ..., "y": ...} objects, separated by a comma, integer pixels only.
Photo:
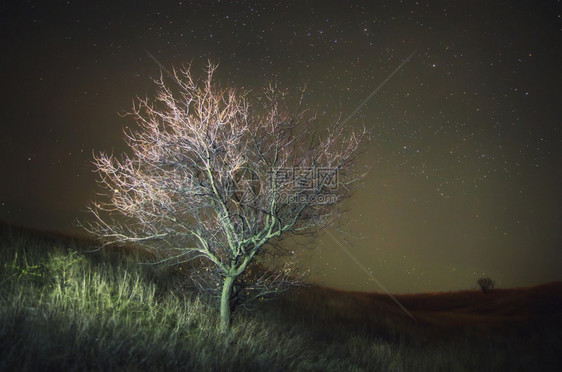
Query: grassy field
[{"x": 65, "y": 308}]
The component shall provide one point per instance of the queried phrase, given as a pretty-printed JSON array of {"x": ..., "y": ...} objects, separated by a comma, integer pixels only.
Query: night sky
[{"x": 465, "y": 161}]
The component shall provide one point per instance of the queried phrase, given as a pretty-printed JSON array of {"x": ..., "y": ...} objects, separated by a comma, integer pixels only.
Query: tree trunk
[{"x": 225, "y": 301}]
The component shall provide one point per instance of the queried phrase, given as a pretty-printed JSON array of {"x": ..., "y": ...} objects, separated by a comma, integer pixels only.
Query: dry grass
[{"x": 62, "y": 308}]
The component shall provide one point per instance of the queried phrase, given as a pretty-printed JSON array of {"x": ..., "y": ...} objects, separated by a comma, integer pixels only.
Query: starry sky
[{"x": 465, "y": 162}]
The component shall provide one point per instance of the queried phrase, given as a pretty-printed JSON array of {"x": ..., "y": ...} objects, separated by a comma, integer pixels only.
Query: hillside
[
  {"x": 501, "y": 310},
  {"x": 66, "y": 305}
]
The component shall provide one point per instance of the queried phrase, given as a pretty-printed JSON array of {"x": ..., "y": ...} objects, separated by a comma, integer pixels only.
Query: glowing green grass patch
[{"x": 19, "y": 268}]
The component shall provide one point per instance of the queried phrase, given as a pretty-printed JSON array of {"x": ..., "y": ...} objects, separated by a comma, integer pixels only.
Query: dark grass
[{"x": 63, "y": 307}]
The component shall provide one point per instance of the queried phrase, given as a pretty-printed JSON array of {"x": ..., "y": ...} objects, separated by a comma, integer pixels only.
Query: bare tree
[
  {"x": 218, "y": 182},
  {"x": 486, "y": 284}
]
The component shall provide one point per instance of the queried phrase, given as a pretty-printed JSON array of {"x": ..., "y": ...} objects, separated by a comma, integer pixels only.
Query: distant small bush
[{"x": 486, "y": 284}]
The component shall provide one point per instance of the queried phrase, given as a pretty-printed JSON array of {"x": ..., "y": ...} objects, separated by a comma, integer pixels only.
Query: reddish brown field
[{"x": 505, "y": 311}]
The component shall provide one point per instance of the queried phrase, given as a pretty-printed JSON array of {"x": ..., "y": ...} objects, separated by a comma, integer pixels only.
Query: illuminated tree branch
[{"x": 213, "y": 180}]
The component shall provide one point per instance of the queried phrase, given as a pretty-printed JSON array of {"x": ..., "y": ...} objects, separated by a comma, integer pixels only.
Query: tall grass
[{"x": 62, "y": 308}]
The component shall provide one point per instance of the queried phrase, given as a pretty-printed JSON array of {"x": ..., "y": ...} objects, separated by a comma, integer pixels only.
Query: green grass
[{"x": 62, "y": 308}]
